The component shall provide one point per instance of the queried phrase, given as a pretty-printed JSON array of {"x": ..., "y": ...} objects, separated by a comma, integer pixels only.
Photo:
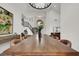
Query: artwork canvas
[{"x": 6, "y": 21}]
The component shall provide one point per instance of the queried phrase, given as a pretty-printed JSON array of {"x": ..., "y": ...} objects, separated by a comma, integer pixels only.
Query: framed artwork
[{"x": 6, "y": 21}]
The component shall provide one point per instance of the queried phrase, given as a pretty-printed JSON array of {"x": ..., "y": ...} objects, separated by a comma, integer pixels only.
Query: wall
[
  {"x": 69, "y": 23},
  {"x": 48, "y": 15},
  {"x": 52, "y": 20},
  {"x": 15, "y": 9}
]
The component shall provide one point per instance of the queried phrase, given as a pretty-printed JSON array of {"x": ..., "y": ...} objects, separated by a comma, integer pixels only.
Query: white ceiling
[
  {"x": 53, "y": 6},
  {"x": 56, "y": 6}
]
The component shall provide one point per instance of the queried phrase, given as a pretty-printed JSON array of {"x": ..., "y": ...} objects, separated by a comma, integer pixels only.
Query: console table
[{"x": 6, "y": 38}]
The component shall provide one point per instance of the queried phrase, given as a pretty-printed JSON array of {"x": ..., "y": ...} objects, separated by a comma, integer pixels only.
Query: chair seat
[
  {"x": 14, "y": 42},
  {"x": 66, "y": 42}
]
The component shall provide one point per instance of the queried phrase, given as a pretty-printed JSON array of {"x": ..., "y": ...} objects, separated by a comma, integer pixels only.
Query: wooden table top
[{"x": 48, "y": 46}]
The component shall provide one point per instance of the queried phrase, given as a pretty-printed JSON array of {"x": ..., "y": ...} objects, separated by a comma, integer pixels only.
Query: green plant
[
  {"x": 40, "y": 24},
  {"x": 4, "y": 27}
]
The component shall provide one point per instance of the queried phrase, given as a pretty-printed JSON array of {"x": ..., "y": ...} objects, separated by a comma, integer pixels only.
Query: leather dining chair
[
  {"x": 55, "y": 35},
  {"x": 66, "y": 42},
  {"x": 17, "y": 40},
  {"x": 14, "y": 42}
]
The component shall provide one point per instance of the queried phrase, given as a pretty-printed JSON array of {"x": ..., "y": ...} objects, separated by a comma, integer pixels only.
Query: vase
[{"x": 38, "y": 38}]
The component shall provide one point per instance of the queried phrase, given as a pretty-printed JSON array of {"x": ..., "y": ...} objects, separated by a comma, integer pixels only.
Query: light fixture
[{"x": 40, "y": 5}]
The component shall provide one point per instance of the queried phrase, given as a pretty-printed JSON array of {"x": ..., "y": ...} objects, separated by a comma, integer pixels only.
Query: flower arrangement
[{"x": 40, "y": 25}]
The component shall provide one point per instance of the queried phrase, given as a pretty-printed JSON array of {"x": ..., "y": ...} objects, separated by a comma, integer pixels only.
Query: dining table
[{"x": 47, "y": 47}]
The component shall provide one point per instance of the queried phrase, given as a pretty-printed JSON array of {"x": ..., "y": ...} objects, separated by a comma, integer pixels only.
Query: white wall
[
  {"x": 48, "y": 15},
  {"x": 70, "y": 23},
  {"x": 16, "y": 10},
  {"x": 51, "y": 16}
]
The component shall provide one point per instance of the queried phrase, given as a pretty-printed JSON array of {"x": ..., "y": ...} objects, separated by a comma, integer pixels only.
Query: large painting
[{"x": 6, "y": 21}]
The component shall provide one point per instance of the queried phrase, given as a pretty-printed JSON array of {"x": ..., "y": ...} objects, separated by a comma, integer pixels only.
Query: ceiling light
[{"x": 40, "y": 5}]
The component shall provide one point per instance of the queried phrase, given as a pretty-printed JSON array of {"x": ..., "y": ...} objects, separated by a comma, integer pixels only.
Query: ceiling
[
  {"x": 53, "y": 6},
  {"x": 56, "y": 7}
]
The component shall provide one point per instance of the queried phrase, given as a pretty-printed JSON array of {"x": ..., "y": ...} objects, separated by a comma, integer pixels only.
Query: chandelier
[{"x": 40, "y": 5}]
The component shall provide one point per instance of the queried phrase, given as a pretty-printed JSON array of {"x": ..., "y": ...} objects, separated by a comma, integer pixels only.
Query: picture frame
[{"x": 6, "y": 21}]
